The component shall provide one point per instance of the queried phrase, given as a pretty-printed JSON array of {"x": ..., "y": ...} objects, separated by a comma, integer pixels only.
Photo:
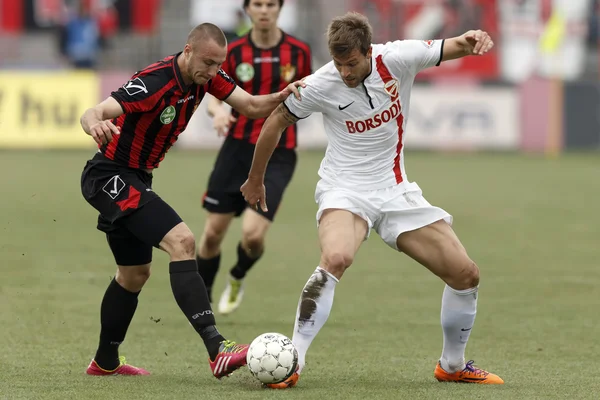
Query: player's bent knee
[
  {"x": 253, "y": 243},
  {"x": 336, "y": 262},
  {"x": 133, "y": 277},
  {"x": 179, "y": 243},
  {"x": 187, "y": 245},
  {"x": 467, "y": 278},
  {"x": 212, "y": 238}
]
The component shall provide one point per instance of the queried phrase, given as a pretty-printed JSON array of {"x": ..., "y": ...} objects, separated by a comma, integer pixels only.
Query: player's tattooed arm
[{"x": 285, "y": 114}]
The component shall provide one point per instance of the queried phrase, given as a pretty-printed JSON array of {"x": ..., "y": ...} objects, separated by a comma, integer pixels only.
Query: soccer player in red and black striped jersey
[
  {"x": 263, "y": 61},
  {"x": 134, "y": 129}
]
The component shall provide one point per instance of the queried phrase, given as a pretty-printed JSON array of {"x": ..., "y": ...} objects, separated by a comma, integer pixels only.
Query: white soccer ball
[{"x": 272, "y": 358}]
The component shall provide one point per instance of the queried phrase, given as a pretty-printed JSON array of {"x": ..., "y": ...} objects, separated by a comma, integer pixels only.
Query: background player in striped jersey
[
  {"x": 134, "y": 129},
  {"x": 263, "y": 61},
  {"x": 364, "y": 95}
]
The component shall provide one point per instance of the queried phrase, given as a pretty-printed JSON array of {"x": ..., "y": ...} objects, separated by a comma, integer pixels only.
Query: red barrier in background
[
  {"x": 11, "y": 16},
  {"x": 22, "y": 16}
]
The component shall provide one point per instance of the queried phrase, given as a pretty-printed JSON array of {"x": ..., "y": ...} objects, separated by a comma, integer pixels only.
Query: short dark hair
[
  {"x": 247, "y": 3},
  {"x": 349, "y": 32},
  {"x": 207, "y": 31}
]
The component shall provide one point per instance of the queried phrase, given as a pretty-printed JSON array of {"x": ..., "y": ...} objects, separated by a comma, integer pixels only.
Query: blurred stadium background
[
  {"x": 508, "y": 143},
  {"x": 536, "y": 92}
]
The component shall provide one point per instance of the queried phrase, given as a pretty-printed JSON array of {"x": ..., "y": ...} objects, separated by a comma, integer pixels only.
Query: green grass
[{"x": 531, "y": 223}]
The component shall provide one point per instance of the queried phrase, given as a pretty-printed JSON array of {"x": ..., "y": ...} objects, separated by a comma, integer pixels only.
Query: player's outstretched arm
[
  {"x": 96, "y": 122},
  {"x": 261, "y": 106},
  {"x": 475, "y": 42},
  {"x": 254, "y": 189}
]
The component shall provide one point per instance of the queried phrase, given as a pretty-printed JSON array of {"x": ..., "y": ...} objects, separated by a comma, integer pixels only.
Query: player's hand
[
  {"x": 222, "y": 121},
  {"x": 292, "y": 88},
  {"x": 479, "y": 42},
  {"x": 253, "y": 191},
  {"x": 103, "y": 132}
]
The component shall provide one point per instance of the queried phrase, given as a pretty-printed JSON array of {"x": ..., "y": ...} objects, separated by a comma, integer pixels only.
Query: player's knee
[
  {"x": 183, "y": 246},
  {"x": 467, "y": 278},
  {"x": 133, "y": 278},
  {"x": 253, "y": 243},
  {"x": 212, "y": 238},
  {"x": 187, "y": 243},
  {"x": 336, "y": 262}
]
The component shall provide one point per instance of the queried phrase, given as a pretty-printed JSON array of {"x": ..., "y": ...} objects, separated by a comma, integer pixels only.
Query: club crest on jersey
[
  {"x": 168, "y": 115},
  {"x": 244, "y": 72},
  {"x": 391, "y": 88},
  {"x": 428, "y": 43},
  {"x": 288, "y": 72}
]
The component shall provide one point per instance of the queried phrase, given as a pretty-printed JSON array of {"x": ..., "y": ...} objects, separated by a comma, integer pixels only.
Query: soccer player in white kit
[{"x": 364, "y": 95}]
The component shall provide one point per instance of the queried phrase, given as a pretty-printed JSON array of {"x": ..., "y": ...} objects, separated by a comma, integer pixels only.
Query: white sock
[
  {"x": 313, "y": 310},
  {"x": 459, "y": 308}
]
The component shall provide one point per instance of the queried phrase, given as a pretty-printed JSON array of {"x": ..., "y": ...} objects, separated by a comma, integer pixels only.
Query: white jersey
[{"x": 365, "y": 126}]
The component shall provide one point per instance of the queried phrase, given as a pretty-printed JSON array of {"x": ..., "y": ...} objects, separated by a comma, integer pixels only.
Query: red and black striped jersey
[
  {"x": 263, "y": 71},
  {"x": 157, "y": 107}
]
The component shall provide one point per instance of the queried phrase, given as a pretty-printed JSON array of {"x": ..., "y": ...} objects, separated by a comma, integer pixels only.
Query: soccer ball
[{"x": 272, "y": 358}]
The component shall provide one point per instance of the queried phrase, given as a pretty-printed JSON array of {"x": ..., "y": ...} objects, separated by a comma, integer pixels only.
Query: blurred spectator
[
  {"x": 226, "y": 14},
  {"x": 79, "y": 37},
  {"x": 229, "y": 15}
]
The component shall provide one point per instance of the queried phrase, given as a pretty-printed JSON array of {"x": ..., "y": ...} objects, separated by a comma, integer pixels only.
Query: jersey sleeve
[
  {"x": 141, "y": 93},
  {"x": 221, "y": 86},
  {"x": 416, "y": 55},
  {"x": 310, "y": 100}
]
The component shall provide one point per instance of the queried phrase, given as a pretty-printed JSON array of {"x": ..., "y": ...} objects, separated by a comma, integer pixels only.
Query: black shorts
[
  {"x": 134, "y": 218},
  {"x": 231, "y": 171}
]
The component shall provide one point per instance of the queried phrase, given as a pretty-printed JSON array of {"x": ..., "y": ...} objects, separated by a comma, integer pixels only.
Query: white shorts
[{"x": 390, "y": 211}]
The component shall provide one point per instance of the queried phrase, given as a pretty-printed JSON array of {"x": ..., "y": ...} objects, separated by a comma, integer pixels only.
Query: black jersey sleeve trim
[
  {"x": 441, "y": 53},
  {"x": 285, "y": 105},
  {"x": 115, "y": 95},
  {"x": 229, "y": 94}
]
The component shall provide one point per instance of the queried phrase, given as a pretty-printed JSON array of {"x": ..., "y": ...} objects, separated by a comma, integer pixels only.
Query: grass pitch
[{"x": 531, "y": 223}]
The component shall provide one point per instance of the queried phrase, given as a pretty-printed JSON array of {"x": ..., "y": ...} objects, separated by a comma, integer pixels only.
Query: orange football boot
[
  {"x": 288, "y": 383},
  {"x": 469, "y": 374}
]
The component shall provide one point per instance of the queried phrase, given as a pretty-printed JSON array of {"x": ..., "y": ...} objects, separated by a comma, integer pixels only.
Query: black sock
[
  {"x": 208, "y": 268},
  {"x": 116, "y": 313},
  {"x": 244, "y": 263},
  {"x": 191, "y": 297}
]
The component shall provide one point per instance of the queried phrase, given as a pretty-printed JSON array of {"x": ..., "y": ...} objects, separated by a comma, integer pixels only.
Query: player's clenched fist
[
  {"x": 103, "y": 131},
  {"x": 254, "y": 194}
]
